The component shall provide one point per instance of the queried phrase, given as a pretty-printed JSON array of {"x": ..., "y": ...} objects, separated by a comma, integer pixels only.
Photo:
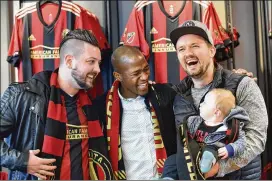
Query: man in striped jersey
[
  {"x": 38, "y": 32},
  {"x": 49, "y": 113}
]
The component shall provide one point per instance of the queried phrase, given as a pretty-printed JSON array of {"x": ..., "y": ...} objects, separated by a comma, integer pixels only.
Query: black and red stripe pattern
[
  {"x": 149, "y": 27},
  {"x": 74, "y": 153}
]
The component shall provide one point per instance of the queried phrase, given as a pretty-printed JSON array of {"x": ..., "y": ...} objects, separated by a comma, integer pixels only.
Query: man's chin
[
  {"x": 142, "y": 92},
  {"x": 89, "y": 86},
  {"x": 194, "y": 74},
  {"x": 85, "y": 86}
]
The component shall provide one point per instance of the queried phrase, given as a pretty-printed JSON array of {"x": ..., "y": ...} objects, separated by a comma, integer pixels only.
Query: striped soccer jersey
[
  {"x": 38, "y": 32},
  {"x": 149, "y": 27}
]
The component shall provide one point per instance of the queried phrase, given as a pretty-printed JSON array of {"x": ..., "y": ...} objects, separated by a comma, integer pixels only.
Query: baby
[{"x": 210, "y": 129}]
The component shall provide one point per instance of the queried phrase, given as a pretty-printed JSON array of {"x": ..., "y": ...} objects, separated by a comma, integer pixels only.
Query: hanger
[
  {"x": 140, "y": 4},
  {"x": 204, "y": 3},
  {"x": 42, "y": 2}
]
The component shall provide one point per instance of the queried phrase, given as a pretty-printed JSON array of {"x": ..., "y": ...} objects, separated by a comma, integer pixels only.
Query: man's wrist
[
  {"x": 22, "y": 162},
  {"x": 230, "y": 150}
]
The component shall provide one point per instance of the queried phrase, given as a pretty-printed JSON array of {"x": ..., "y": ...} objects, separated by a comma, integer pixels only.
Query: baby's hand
[{"x": 222, "y": 152}]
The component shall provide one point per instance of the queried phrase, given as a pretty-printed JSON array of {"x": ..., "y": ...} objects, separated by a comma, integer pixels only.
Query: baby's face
[{"x": 208, "y": 107}]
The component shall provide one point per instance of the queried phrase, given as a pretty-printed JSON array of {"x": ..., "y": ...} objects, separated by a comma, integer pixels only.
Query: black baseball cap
[{"x": 191, "y": 27}]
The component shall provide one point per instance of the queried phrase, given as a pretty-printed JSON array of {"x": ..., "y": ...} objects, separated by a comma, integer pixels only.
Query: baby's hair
[{"x": 224, "y": 100}]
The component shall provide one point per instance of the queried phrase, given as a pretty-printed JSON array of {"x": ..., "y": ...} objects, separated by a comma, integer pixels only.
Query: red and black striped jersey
[
  {"x": 154, "y": 42},
  {"x": 75, "y": 163},
  {"x": 92, "y": 24},
  {"x": 36, "y": 36}
]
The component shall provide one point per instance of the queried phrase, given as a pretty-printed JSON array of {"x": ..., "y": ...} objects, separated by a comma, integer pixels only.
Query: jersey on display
[
  {"x": 91, "y": 23},
  {"x": 37, "y": 34},
  {"x": 154, "y": 42}
]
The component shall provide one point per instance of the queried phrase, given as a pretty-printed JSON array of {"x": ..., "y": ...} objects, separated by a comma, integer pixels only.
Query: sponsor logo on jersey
[
  {"x": 75, "y": 132},
  {"x": 31, "y": 38},
  {"x": 163, "y": 45},
  {"x": 130, "y": 37},
  {"x": 44, "y": 52},
  {"x": 153, "y": 31}
]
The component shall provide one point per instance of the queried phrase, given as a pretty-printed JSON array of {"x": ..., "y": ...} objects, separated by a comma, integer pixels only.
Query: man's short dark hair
[{"x": 73, "y": 43}]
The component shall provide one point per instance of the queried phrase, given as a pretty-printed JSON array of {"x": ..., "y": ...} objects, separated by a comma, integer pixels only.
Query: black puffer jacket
[{"x": 23, "y": 115}]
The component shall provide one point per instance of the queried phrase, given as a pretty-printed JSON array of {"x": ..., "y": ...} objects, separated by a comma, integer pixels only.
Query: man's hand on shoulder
[
  {"x": 39, "y": 166},
  {"x": 244, "y": 72},
  {"x": 151, "y": 82}
]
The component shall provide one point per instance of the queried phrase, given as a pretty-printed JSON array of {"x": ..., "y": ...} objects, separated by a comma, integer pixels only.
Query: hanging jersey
[
  {"x": 93, "y": 25},
  {"x": 37, "y": 34},
  {"x": 149, "y": 27}
]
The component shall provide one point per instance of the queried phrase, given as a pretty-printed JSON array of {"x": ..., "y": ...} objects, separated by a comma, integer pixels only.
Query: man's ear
[
  {"x": 212, "y": 51},
  {"x": 69, "y": 61},
  {"x": 117, "y": 76}
]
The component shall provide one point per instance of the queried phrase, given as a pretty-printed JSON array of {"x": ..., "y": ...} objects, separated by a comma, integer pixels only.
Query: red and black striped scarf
[
  {"x": 113, "y": 134},
  {"x": 55, "y": 133}
]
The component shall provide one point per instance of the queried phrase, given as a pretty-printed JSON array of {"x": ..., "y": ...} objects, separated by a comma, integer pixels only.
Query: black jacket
[
  {"x": 23, "y": 115},
  {"x": 161, "y": 98}
]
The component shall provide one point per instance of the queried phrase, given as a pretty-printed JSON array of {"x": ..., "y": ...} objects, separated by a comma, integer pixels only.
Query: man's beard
[
  {"x": 202, "y": 70},
  {"x": 79, "y": 79}
]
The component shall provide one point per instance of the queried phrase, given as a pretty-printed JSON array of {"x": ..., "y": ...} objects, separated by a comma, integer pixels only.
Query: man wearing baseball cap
[{"x": 195, "y": 50}]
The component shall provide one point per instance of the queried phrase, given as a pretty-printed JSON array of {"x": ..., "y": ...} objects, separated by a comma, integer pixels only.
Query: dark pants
[{"x": 170, "y": 168}]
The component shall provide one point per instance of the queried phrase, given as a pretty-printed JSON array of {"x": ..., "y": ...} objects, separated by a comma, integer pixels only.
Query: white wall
[
  {"x": 4, "y": 47},
  {"x": 7, "y": 19},
  {"x": 96, "y": 7},
  {"x": 243, "y": 20}
]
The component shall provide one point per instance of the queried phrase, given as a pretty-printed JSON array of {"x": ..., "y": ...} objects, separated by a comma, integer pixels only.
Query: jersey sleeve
[
  {"x": 14, "y": 52},
  {"x": 134, "y": 33},
  {"x": 91, "y": 23}
]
